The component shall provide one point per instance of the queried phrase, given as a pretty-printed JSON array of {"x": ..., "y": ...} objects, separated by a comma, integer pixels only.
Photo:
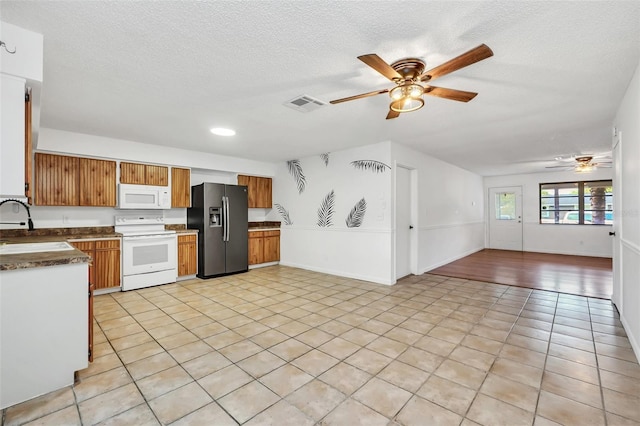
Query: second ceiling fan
[{"x": 408, "y": 73}]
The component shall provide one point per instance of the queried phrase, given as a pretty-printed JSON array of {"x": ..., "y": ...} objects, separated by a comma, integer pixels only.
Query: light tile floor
[{"x": 285, "y": 346}]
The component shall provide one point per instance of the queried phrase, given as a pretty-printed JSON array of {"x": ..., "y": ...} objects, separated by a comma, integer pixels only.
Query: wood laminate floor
[{"x": 580, "y": 275}]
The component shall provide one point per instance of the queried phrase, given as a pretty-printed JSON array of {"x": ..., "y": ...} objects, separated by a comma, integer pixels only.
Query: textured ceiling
[{"x": 165, "y": 72}]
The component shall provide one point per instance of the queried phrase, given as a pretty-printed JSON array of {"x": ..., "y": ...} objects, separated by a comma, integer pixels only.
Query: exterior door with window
[{"x": 505, "y": 218}]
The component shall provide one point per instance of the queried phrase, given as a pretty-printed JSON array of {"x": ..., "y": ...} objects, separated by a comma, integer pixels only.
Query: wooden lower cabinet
[
  {"x": 264, "y": 246},
  {"x": 104, "y": 269},
  {"x": 271, "y": 246},
  {"x": 187, "y": 254}
]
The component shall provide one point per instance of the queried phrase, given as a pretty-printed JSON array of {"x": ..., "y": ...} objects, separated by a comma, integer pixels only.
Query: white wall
[
  {"x": 580, "y": 240},
  {"x": 205, "y": 168},
  {"x": 450, "y": 209},
  {"x": 626, "y": 121},
  {"x": 360, "y": 252}
]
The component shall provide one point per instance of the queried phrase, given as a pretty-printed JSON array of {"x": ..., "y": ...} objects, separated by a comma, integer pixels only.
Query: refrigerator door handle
[
  {"x": 224, "y": 218},
  {"x": 228, "y": 216}
]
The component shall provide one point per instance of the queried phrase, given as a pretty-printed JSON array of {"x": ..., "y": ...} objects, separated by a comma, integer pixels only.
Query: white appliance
[
  {"x": 143, "y": 197},
  {"x": 149, "y": 252}
]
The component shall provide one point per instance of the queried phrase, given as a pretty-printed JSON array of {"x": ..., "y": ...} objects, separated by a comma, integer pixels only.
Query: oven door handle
[{"x": 148, "y": 237}]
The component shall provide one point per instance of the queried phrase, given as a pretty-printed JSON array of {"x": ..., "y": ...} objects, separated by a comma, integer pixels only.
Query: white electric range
[{"x": 149, "y": 251}]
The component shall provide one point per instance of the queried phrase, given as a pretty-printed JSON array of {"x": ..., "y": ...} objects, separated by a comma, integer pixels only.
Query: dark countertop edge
[
  {"x": 265, "y": 228},
  {"x": 186, "y": 231},
  {"x": 54, "y": 238},
  {"x": 265, "y": 224},
  {"x": 10, "y": 262}
]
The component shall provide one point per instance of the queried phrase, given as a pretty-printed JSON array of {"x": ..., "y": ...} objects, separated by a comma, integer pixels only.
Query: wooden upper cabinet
[
  {"x": 56, "y": 180},
  {"x": 62, "y": 180},
  {"x": 259, "y": 190},
  {"x": 97, "y": 182},
  {"x": 157, "y": 175},
  {"x": 180, "y": 187},
  {"x": 263, "y": 197},
  {"x": 133, "y": 173},
  {"x": 144, "y": 174}
]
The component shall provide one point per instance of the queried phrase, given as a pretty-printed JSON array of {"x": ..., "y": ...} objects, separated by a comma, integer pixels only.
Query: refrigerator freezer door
[
  {"x": 211, "y": 251},
  {"x": 237, "y": 258}
]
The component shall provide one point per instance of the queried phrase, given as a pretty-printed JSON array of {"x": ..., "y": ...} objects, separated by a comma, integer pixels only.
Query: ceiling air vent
[{"x": 305, "y": 103}]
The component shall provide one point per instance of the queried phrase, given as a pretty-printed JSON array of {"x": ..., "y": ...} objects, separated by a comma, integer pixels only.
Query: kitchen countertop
[
  {"x": 263, "y": 226},
  {"x": 50, "y": 258},
  {"x": 9, "y": 262}
]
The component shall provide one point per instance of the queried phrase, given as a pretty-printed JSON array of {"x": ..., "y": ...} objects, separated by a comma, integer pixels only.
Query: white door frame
[
  {"x": 510, "y": 225},
  {"x": 413, "y": 219},
  {"x": 617, "y": 289}
]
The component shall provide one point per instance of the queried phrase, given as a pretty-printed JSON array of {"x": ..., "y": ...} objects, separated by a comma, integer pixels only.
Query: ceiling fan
[
  {"x": 583, "y": 164},
  {"x": 408, "y": 74}
]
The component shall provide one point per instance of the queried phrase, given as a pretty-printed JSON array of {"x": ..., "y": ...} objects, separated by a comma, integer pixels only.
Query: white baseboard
[
  {"x": 632, "y": 339},
  {"x": 262, "y": 265},
  {"x": 451, "y": 259},
  {"x": 372, "y": 279}
]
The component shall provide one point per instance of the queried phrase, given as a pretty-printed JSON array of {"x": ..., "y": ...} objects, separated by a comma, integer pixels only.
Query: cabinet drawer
[
  {"x": 187, "y": 238},
  {"x": 107, "y": 244},
  {"x": 271, "y": 233},
  {"x": 256, "y": 234}
]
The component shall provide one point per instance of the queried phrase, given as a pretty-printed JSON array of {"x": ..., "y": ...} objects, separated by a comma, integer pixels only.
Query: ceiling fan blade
[
  {"x": 363, "y": 95},
  {"x": 378, "y": 64},
  {"x": 471, "y": 57},
  {"x": 560, "y": 167},
  {"x": 392, "y": 114},
  {"x": 453, "y": 94}
]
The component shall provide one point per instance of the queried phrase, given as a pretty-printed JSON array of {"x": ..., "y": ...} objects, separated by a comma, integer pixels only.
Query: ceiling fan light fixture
[
  {"x": 585, "y": 168},
  {"x": 407, "y": 104}
]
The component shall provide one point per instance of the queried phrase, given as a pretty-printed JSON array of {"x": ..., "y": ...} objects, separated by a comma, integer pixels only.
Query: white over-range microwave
[{"x": 143, "y": 197}]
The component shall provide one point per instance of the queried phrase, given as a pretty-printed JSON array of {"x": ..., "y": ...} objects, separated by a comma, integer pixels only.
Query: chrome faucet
[{"x": 29, "y": 221}]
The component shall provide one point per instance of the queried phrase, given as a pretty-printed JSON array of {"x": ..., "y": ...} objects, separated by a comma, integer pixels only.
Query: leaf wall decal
[
  {"x": 284, "y": 213},
  {"x": 356, "y": 215},
  {"x": 296, "y": 171},
  {"x": 325, "y": 158},
  {"x": 374, "y": 166},
  {"x": 325, "y": 211}
]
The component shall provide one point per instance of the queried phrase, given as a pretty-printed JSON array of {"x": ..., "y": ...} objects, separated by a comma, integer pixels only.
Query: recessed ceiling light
[{"x": 221, "y": 131}]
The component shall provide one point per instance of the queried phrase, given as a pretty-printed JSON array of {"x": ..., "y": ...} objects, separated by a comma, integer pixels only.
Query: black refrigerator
[{"x": 220, "y": 214}]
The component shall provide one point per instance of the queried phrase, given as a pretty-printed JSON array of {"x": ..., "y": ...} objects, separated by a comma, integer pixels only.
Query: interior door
[
  {"x": 616, "y": 296},
  {"x": 403, "y": 222},
  {"x": 505, "y": 218}
]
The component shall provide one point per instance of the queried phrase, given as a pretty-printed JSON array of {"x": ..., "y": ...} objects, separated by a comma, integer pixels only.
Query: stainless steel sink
[{"x": 23, "y": 248}]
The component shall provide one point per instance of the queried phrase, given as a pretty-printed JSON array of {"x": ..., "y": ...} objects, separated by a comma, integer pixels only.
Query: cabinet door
[
  {"x": 157, "y": 175},
  {"x": 256, "y": 247},
  {"x": 91, "y": 288},
  {"x": 263, "y": 192},
  {"x": 249, "y": 182},
  {"x": 107, "y": 264},
  {"x": 271, "y": 246},
  {"x": 57, "y": 180},
  {"x": 132, "y": 173},
  {"x": 180, "y": 187},
  {"x": 187, "y": 260},
  {"x": 97, "y": 182},
  {"x": 28, "y": 147},
  {"x": 88, "y": 248}
]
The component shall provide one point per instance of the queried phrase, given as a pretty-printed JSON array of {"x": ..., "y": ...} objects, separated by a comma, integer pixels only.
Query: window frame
[{"x": 580, "y": 198}]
